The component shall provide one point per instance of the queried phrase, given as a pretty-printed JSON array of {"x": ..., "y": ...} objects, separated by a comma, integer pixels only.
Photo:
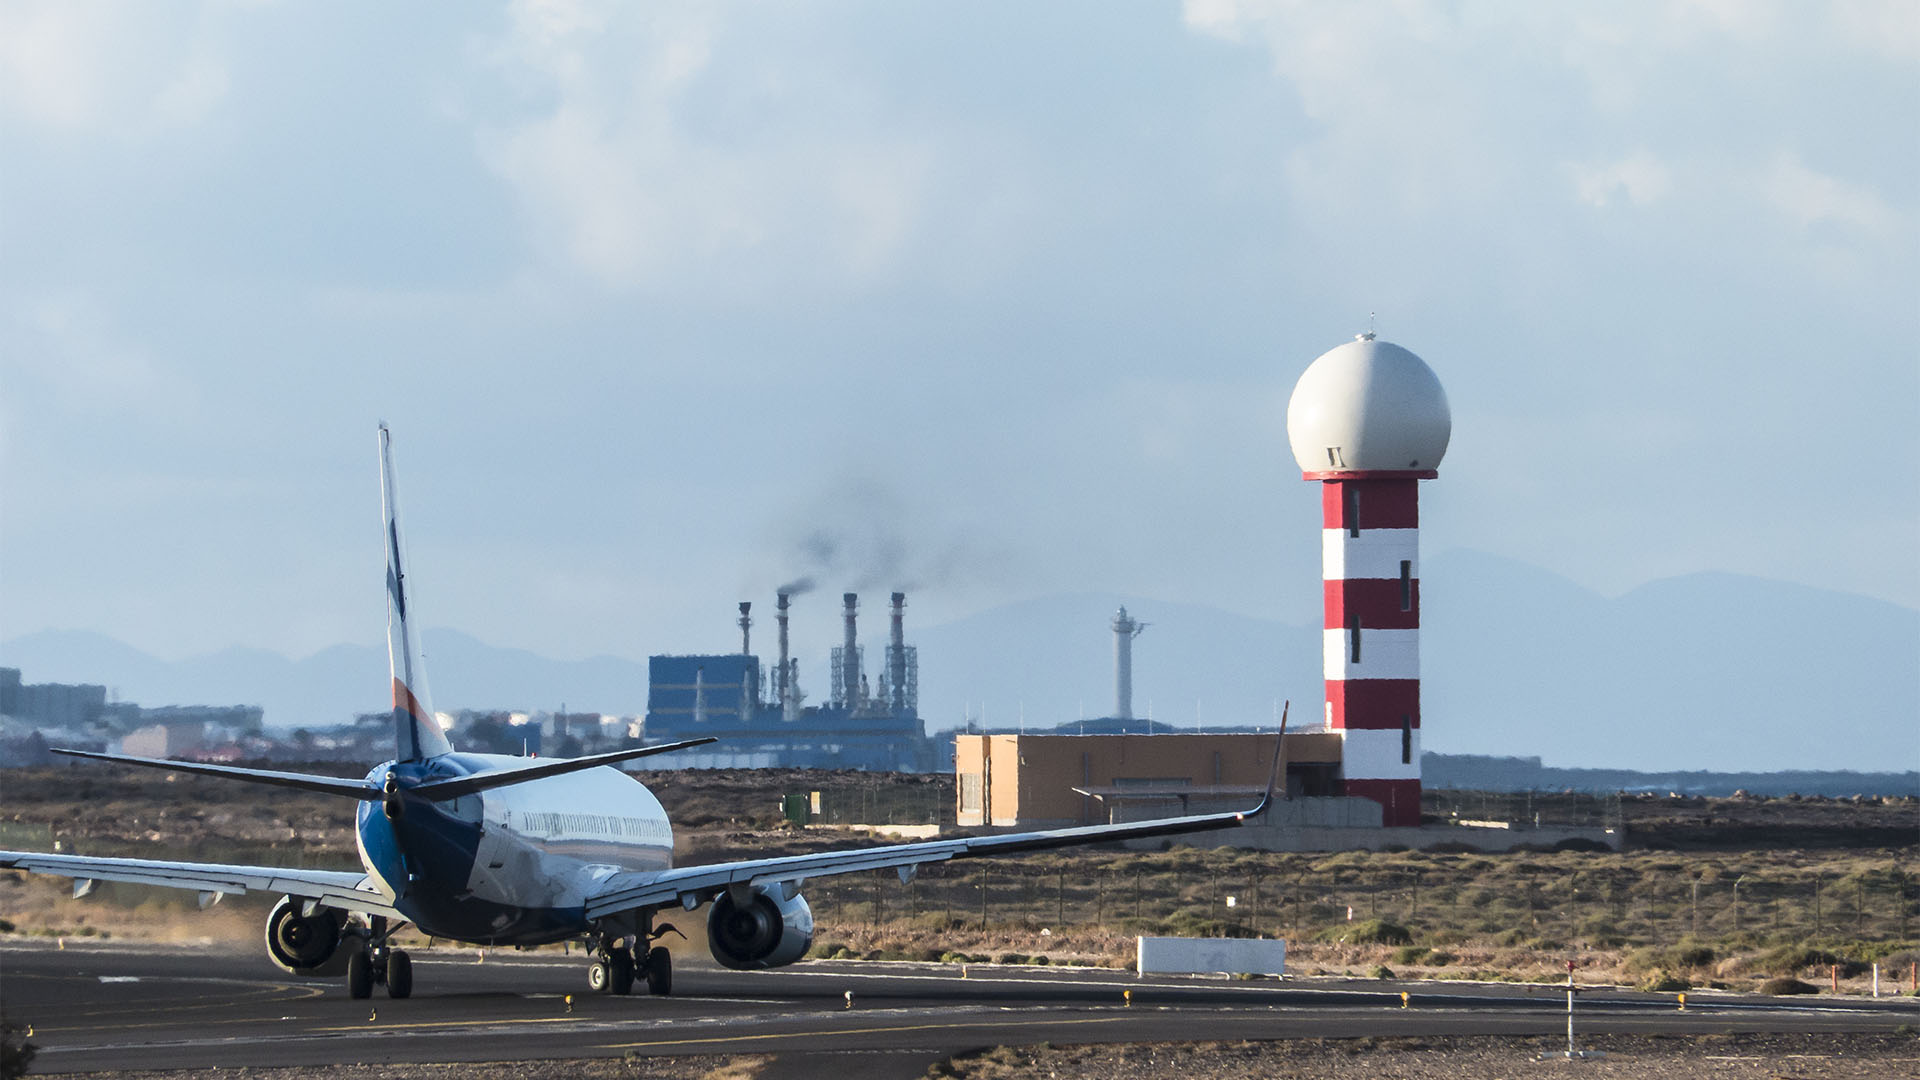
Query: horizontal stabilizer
[
  {"x": 454, "y": 787},
  {"x": 326, "y": 785}
]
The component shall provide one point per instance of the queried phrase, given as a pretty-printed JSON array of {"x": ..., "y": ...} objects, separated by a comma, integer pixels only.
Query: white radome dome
[{"x": 1368, "y": 406}]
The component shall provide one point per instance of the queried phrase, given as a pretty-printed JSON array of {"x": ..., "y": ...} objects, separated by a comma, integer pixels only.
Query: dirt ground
[
  {"x": 636, "y": 1068},
  {"x": 1627, "y": 1057}
]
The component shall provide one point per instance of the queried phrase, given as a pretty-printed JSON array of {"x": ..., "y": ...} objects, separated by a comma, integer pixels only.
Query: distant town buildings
[{"x": 36, "y": 717}]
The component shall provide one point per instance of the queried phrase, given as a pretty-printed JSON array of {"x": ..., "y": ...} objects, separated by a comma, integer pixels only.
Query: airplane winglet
[{"x": 1278, "y": 775}]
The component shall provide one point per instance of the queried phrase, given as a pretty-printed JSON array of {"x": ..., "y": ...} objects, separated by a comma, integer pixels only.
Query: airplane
[{"x": 493, "y": 850}]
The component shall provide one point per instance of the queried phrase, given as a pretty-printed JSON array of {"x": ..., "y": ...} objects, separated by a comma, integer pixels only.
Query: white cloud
[
  {"x": 1639, "y": 178},
  {"x": 1811, "y": 198},
  {"x": 65, "y": 346},
  {"x": 1397, "y": 123},
  {"x": 128, "y": 69},
  {"x": 1429, "y": 113},
  {"x": 1887, "y": 27},
  {"x": 620, "y": 183}
]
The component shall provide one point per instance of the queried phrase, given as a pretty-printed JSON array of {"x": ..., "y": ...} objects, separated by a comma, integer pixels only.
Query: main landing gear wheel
[
  {"x": 659, "y": 973},
  {"x": 360, "y": 974},
  {"x": 620, "y": 972},
  {"x": 399, "y": 975},
  {"x": 599, "y": 976}
]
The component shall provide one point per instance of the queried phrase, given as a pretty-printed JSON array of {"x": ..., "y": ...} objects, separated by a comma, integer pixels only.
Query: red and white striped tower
[{"x": 1368, "y": 421}]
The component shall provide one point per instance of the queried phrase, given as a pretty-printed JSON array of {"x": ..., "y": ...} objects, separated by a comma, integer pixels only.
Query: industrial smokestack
[
  {"x": 1125, "y": 629},
  {"x": 700, "y": 695},
  {"x": 897, "y": 655},
  {"x": 746, "y": 628},
  {"x": 783, "y": 675},
  {"x": 850, "y": 656}
]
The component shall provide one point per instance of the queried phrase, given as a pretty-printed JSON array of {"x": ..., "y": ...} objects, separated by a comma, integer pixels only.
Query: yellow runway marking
[
  {"x": 278, "y": 992},
  {"x": 424, "y": 1024},
  {"x": 1000, "y": 1024}
]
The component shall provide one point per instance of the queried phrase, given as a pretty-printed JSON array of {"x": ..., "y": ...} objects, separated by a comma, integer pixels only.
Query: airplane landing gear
[
  {"x": 399, "y": 975},
  {"x": 659, "y": 973},
  {"x": 622, "y": 963},
  {"x": 391, "y": 967},
  {"x": 611, "y": 972},
  {"x": 360, "y": 975},
  {"x": 377, "y": 962}
]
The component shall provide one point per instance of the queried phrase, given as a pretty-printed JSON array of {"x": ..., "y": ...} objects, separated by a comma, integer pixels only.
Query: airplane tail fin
[{"x": 416, "y": 731}]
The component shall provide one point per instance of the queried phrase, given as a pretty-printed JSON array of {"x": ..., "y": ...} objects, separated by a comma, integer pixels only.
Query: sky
[{"x": 669, "y": 304}]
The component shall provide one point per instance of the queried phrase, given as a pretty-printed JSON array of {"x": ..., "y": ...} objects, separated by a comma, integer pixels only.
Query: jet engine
[
  {"x": 769, "y": 929},
  {"x": 309, "y": 944}
]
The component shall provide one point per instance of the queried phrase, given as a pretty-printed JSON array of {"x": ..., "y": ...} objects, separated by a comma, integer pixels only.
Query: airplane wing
[
  {"x": 348, "y": 890},
  {"x": 688, "y": 886}
]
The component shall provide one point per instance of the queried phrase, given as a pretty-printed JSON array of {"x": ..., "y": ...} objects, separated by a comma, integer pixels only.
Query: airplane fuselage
[{"x": 513, "y": 865}]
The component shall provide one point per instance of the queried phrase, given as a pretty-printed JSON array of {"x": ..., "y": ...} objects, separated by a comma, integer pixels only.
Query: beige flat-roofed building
[{"x": 1042, "y": 781}]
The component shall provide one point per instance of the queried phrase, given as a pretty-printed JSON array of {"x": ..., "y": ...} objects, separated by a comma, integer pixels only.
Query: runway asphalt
[{"x": 97, "y": 1006}]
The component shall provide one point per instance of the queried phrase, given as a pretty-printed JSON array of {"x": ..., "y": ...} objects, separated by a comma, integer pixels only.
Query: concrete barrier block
[{"x": 1206, "y": 956}]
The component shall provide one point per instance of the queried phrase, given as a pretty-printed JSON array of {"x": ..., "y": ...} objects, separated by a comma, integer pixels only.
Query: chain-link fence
[
  {"x": 1523, "y": 809},
  {"x": 1544, "y": 900},
  {"x": 879, "y": 804}
]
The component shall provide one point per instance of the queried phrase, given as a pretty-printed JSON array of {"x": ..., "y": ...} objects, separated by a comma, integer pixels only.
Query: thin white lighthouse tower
[{"x": 1369, "y": 421}]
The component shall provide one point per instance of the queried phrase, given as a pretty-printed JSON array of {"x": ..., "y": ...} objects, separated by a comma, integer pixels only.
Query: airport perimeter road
[{"x": 107, "y": 1006}]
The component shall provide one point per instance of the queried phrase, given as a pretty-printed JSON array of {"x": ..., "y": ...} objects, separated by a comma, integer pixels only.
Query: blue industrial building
[{"x": 760, "y": 722}]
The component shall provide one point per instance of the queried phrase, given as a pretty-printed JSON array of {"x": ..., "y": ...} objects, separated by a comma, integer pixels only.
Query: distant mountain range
[{"x": 1704, "y": 671}]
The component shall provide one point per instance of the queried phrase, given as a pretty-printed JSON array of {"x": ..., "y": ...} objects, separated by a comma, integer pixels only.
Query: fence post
[
  {"x": 1902, "y": 897},
  {"x": 983, "y": 896},
  {"x": 1253, "y": 908},
  {"x": 1695, "y": 922}
]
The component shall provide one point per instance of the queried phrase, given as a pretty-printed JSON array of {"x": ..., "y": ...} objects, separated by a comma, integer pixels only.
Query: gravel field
[{"x": 1628, "y": 1057}]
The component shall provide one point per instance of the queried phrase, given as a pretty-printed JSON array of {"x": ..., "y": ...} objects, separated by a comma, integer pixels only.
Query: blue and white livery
[{"x": 495, "y": 850}]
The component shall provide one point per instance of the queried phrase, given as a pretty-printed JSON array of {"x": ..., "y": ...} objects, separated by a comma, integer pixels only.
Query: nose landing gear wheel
[
  {"x": 360, "y": 975},
  {"x": 399, "y": 975},
  {"x": 659, "y": 973}
]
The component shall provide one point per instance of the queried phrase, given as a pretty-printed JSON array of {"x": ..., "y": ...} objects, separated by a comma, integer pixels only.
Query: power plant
[{"x": 761, "y": 723}]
